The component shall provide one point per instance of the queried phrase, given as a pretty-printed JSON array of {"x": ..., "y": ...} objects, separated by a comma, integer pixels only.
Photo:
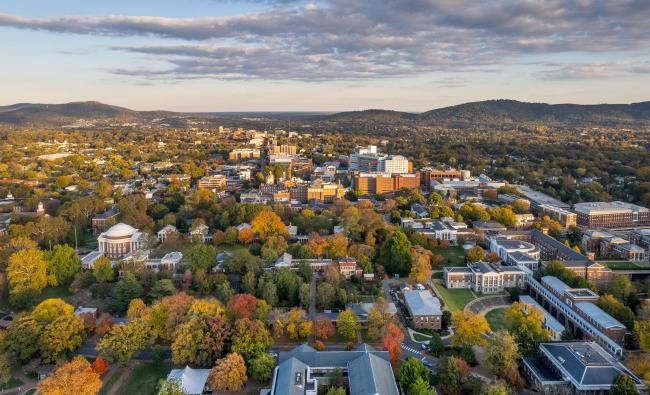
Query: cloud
[
  {"x": 354, "y": 40},
  {"x": 592, "y": 70}
]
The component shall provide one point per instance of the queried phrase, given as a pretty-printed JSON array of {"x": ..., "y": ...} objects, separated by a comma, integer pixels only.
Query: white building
[
  {"x": 119, "y": 241},
  {"x": 165, "y": 232},
  {"x": 369, "y": 160}
]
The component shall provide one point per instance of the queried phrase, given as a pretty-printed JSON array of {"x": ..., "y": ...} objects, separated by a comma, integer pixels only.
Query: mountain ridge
[{"x": 500, "y": 112}]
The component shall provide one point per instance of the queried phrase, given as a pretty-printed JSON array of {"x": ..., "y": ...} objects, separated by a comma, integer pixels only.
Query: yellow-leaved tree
[{"x": 229, "y": 373}]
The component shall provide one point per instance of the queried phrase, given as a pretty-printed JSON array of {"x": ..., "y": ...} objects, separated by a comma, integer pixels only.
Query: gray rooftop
[
  {"x": 555, "y": 283},
  {"x": 422, "y": 303},
  {"x": 586, "y": 364},
  {"x": 369, "y": 371},
  {"x": 602, "y": 318},
  {"x": 572, "y": 254}
]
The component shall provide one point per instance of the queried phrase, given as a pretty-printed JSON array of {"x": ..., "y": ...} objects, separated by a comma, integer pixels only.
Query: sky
[{"x": 328, "y": 55}]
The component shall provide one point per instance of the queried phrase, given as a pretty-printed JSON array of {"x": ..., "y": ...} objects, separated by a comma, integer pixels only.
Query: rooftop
[
  {"x": 421, "y": 302},
  {"x": 593, "y": 208},
  {"x": 597, "y": 314},
  {"x": 585, "y": 364}
]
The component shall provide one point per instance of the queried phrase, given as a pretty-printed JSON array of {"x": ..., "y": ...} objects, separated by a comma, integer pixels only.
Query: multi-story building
[
  {"x": 582, "y": 266},
  {"x": 424, "y": 309},
  {"x": 612, "y": 214},
  {"x": 484, "y": 277},
  {"x": 429, "y": 174},
  {"x": 166, "y": 232},
  {"x": 537, "y": 199},
  {"x": 303, "y": 370},
  {"x": 214, "y": 182},
  {"x": 515, "y": 252},
  {"x": 376, "y": 184},
  {"x": 565, "y": 217},
  {"x": 348, "y": 268},
  {"x": 576, "y": 367},
  {"x": 105, "y": 220},
  {"x": 119, "y": 241},
  {"x": 575, "y": 308},
  {"x": 283, "y": 149},
  {"x": 641, "y": 237},
  {"x": 245, "y": 153},
  {"x": 369, "y": 160}
]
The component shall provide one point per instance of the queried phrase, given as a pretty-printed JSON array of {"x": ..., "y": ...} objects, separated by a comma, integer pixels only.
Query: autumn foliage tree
[
  {"x": 393, "y": 341},
  {"x": 468, "y": 329},
  {"x": 100, "y": 366},
  {"x": 229, "y": 373},
  {"x": 421, "y": 268},
  {"x": 241, "y": 306},
  {"x": 324, "y": 328},
  {"x": 246, "y": 236},
  {"x": 75, "y": 377},
  {"x": 27, "y": 275},
  {"x": 267, "y": 224}
]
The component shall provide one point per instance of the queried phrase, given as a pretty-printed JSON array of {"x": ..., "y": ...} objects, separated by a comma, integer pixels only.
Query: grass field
[
  {"x": 12, "y": 383},
  {"x": 420, "y": 337},
  {"x": 454, "y": 255},
  {"x": 54, "y": 292},
  {"x": 108, "y": 384},
  {"x": 144, "y": 379},
  {"x": 497, "y": 319},
  {"x": 455, "y": 299}
]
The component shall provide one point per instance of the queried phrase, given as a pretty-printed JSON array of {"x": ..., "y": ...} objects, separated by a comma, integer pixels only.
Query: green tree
[
  {"x": 242, "y": 261},
  {"x": 348, "y": 324},
  {"x": 124, "y": 341},
  {"x": 103, "y": 270},
  {"x": 497, "y": 388},
  {"x": 21, "y": 339},
  {"x": 395, "y": 254},
  {"x": 200, "y": 256},
  {"x": 261, "y": 367},
  {"x": 62, "y": 264},
  {"x": 193, "y": 344},
  {"x": 50, "y": 309},
  {"x": 273, "y": 248},
  {"x": 127, "y": 289},
  {"x": 502, "y": 352},
  {"x": 421, "y": 386},
  {"x": 623, "y": 385},
  {"x": 161, "y": 288},
  {"x": 410, "y": 371},
  {"x": 61, "y": 337},
  {"x": 617, "y": 309},
  {"x": 527, "y": 328},
  {"x": 620, "y": 286},
  {"x": 249, "y": 338},
  {"x": 5, "y": 368},
  {"x": 27, "y": 275},
  {"x": 171, "y": 387},
  {"x": 436, "y": 345}
]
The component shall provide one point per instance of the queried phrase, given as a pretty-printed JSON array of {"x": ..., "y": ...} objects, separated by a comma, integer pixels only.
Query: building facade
[{"x": 612, "y": 214}]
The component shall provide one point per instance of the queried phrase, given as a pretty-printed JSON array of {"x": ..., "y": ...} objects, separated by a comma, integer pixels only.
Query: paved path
[
  {"x": 124, "y": 374},
  {"x": 486, "y": 303},
  {"x": 28, "y": 384}
]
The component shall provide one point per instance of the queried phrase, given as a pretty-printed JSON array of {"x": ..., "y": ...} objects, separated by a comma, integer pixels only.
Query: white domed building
[{"x": 119, "y": 241}]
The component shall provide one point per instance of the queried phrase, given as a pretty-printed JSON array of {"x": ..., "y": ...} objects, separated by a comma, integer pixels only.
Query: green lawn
[
  {"x": 420, "y": 337},
  {"x": 497, "y": 319},
  {"x": 108, "y": 384},
  {"x": 144, "y": 379},
  {"x": 12, "y": 383},
  {"x": 455, "y": 299},
  {"x": 54, "y": 292},
  {"x": 454, "y": 255}
]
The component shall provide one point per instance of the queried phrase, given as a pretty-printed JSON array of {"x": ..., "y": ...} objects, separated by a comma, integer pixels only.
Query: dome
[{"x": 120, "y": 230}]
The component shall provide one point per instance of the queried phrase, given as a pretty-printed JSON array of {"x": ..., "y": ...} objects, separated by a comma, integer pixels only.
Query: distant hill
[
  {"x": 30, "y": 114},
  {"x": 508, "y": 112},
  {"x": 500, "y": 112},
  {"x": 490, "y": 113}
]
